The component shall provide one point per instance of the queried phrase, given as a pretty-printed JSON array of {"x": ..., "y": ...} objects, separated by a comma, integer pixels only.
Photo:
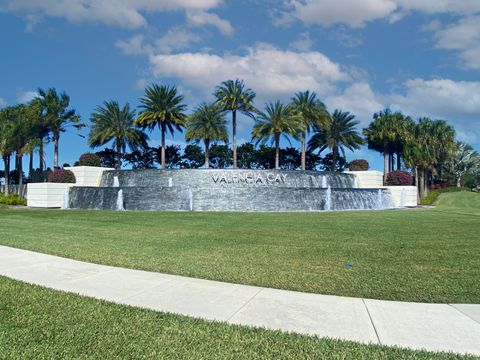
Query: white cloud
[
  {"x": 273, "y": 73},
  {"x": 355, "y": 13},
  {"x": 440, "y": 98},
  {"x": 201, "y": 18},
  {"x": 303, "y": 43},
  {"x": 351, "y": 12},
  {"x": 3, "y": 102},
  {"x": 124, "y": 13},
  {"x": 463, "y": 36},
  {"x": 26, "y": 96},
  {"x": 457, "y": 102},
  {"x": 134, "y": 46},
  {"x": 359, "y": 99},
  {"x": 174, "y": 39}
]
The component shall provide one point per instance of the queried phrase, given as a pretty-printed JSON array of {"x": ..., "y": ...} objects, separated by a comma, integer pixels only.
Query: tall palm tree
[
  {"x": 340, "y": 133},
  {"x": 162, "y": 106},
  {"x": 310, "y": 111},
  {"x": 112, "y": 123},
  {"x": 7, "y": 147},
  {"x": 277, "y": 120},
  {"x": 207, "y": 123},
  {"x": 58, "y": 116},
  {"x": 233, "y": 96},
  {"x": 432, "y": 143}
]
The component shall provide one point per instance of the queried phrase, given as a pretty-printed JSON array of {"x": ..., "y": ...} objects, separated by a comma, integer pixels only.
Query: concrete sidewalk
[{"x": 435, "y": 327}]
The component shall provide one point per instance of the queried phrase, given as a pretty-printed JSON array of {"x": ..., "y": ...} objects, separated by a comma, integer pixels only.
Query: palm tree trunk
[
  {"x": 20, "y": 173},
  {"x": 459, "y": 181},
  {"x": 303, "y": 154},
  {"x": 334, "y": 158},
  {"x": 40, "y": 156},
  {"x": 421, "y": 183},
  {"x": 416, "y": 185},
  {"x": 119, "y": 154},
  {"x": 207, "y": 154},
  {"x": 30, "y": 165},
  {"x": 425, "y": 179},
  {"x": 399, "y": 161},
  {"x": 162, "y": 153},
  {"x": 56, "y": 138},
  {"x": 277, "y": 151},
  {"x": 6, "y": 161},
  {"x": 385, "y": 164},
  {"x": 234, "y": 137}
]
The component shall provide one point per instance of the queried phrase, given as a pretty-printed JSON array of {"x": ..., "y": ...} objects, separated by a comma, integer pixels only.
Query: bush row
[{"x": 12, "y": 199}]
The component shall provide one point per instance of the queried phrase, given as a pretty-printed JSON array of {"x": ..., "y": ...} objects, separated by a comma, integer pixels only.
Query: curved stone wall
[
  {"x": 213, "y": 178},
  {"x": 227, "y": 190}
]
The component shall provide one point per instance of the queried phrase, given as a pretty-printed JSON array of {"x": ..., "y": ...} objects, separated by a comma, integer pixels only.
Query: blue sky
[{"x": 421, "y": 57}]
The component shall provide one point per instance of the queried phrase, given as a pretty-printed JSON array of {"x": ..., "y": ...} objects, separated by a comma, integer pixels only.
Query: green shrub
[
  {"x": 12, "y": 199},
  {"x": 358, "y": 165},
  {"x": 434, "y": 194},
  {"x": 61, "y": 176},
  {"x": 89, "y": 159}
]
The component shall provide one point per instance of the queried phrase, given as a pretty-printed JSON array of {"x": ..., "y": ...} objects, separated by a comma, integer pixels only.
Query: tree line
[{"x": 428, "y": 147}]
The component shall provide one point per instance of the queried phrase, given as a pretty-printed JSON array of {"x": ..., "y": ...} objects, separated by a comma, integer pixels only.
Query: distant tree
[
  {"x": 290, "y": 158},
  {"x": 313, "y": 160},
  {"x": 142, "y": 158},
  {"x": 233, "y": 96},
  {"x": 328, "y": 163},
  {"x": 173, "y": 156},
  {"x": 247, "y": 156},
  {"x": 58, "y": 115},
  {"x": 220, "y": 156},
  {"x": 310, "y": 111},
  {"x": 265, "y": 157},
  {"x": 193, "y": 157},
  {"x": 110, "y": 123},
  {"x": 340, "y": 134},
  {"x": 207, "y": 124},
  {"x": 277, "y": 120},
  {"x": 163, "y": 107},
  {"x": 108, "y": 158}
]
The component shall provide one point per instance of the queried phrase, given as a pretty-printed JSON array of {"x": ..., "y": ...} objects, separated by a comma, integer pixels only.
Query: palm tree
[
  {"x": 58, "y": 115},
  {"x": 431, "y": 144},
  {"x": 233, "y": 96},
  {"x": 163, "y": 107},
  {"x": 380, "y": 137},
  {"x": 112, "y": 123},
  {"x": 277, "y": 120},
  {"x": 207, "y": 123},
  {"x": 466, "y": 160},
  {"x": 310, "y": 111},
  {"x": 7, "y": 132},
  {"x": 338, "y": 135},
  {"x": 388, "y": 135}
]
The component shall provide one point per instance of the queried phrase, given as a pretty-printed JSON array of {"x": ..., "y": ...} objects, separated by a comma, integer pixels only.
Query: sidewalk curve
[{"x": 434, "y": 327}]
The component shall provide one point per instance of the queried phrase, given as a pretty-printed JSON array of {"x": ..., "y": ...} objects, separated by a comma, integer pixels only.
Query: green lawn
[
  {"x": 427, "y": 255},
  {"x": 38, "y": 323}
]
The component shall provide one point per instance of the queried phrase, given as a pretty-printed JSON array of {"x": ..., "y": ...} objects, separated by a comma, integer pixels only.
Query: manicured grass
[
  {"x": 37, "y": 323},
  {"x": 426, "y": 255}
]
